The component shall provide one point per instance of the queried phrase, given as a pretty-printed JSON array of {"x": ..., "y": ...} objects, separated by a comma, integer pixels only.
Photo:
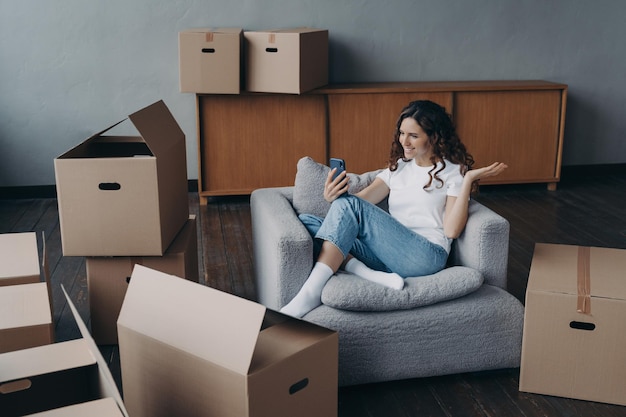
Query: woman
[{"x": 429, "y": 181}]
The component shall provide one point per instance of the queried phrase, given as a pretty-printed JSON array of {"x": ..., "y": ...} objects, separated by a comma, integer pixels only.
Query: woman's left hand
[{"x": 457, "y": 207}]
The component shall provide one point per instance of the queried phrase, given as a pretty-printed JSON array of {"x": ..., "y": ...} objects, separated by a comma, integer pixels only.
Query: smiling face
[{"x": 415, "y": 142}]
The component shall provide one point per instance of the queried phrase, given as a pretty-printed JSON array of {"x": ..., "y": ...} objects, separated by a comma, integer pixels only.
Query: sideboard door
[
  {"x": 252, "y": 141},
  {"x": 520, "y": 128}
]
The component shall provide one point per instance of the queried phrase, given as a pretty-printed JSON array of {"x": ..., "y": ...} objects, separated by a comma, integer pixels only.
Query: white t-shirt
[{"x": 422, "y": 210}]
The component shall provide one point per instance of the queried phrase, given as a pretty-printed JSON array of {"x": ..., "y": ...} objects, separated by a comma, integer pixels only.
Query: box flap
[
  {"x": 46, "y": 269},
  {"x": 285, "y": 339},
  {"x": 560, "y": 264},
  {"x": 155, "y": 123},
  {"x": 157, "y": 127},
  {"x": 104, "y": 407},
  {"x": 107, "y": 383},
  {"x": 18, "y": 255},
  {"x": 26, "y": 363},
  {"x": 99, "y": 134},
  {"x": 91, "y": 138},
  {"x": 202, "y": 321}
]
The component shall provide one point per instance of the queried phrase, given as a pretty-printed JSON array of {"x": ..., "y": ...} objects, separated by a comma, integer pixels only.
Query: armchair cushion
[
  {"x": 308, "y": 193},
  {"x": 349, "y": 292}
]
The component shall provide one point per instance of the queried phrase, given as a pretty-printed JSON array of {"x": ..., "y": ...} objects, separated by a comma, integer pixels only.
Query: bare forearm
[
  {"x": 456, "y": 211},
  {"x": 456, "y": 208}
]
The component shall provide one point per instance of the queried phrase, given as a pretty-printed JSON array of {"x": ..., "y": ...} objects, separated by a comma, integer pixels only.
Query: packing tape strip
[
  {"x": 208, "y": 37},
  {"x": 584, "y": 280},
  {"x": 271, "y": 38}
]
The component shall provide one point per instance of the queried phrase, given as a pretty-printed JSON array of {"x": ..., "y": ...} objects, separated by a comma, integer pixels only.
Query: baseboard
[
  {"x": 34, "y": 191},
  {"x": 592, "y": 170},
  {"x": 50, "y": 191}
]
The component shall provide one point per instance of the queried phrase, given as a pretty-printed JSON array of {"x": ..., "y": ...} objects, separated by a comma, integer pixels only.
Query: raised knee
[{"x": 346, "y": 200}]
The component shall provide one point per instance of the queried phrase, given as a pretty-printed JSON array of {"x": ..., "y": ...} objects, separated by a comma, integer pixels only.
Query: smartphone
[{"x": 338, "y": 163}]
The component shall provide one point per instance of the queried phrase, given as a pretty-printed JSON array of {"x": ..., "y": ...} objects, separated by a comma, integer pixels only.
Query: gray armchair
[{"x": 479, "y": 329}]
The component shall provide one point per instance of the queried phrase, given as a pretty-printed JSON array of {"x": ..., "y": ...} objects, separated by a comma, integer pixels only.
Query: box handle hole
[
  {"x": 109, "y": 186},
  {"x": 273, "y": 50},
  {"x": 208, "y": 50},
  {"x": 581, "y": 325},
  {"x": 298, "y": 386},
  {"x": 15, "y": 386}
]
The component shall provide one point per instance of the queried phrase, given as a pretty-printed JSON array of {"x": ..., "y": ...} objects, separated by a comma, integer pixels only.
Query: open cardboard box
[
  {"x": 210, "y": 60},
  {"x": 287, "y": 60},
  {"x": 187, "y": 349},
  {"x": 574, "y": 342},
  {"x": 121, "y": 195},
  {"x": 57, "y": 375},
  {"x": 108, "y": 278}
]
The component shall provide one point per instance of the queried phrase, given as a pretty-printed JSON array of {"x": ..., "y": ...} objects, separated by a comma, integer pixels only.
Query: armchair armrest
[
  {"x": 484, "y": 245},
  {"x": 283, "y": 248}
]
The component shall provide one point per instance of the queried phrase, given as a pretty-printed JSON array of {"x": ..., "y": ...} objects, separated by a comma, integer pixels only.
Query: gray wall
[{"x": 69, "y": 68}]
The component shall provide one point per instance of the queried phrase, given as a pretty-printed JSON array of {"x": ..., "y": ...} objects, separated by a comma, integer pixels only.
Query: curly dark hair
[{"x": 443, "y": 139}]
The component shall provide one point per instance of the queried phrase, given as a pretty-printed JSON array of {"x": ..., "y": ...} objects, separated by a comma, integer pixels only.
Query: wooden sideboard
[{"x": 254, "y": 140}]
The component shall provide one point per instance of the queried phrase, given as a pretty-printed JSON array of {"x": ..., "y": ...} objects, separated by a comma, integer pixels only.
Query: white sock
[
  {"x": 388, "y": 279},
  {"x": 310, "y": 295}
]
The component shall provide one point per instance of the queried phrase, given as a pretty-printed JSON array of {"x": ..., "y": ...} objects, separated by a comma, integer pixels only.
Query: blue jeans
[{"x": 375, "y": 238}]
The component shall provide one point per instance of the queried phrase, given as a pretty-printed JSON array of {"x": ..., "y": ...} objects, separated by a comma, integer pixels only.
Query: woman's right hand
[{"x": 335, "y": 188}]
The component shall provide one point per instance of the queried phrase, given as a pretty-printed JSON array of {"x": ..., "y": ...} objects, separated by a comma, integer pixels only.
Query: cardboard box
[
  {"x": 19, "y": 259},
  {"x": 187, "y": 349},
  {"x": 574, "y": 339},
  {"x": 108, "y": 279},
  {"x": 210, "y": 60},
  {"x": 124, "y": 196},
  {"x": 286, "y": 61},
  {"x": 56, "y": 375},
  {"x": 25, "y": 317}
]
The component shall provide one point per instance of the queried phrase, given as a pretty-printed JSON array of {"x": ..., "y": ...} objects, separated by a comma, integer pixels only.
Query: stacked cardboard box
[
  {"x": 108, "y": 279},
  {"x": 124, "y": 195},
  {"x": 25, "y": 301},
  {"x": 210, "y": 60},
  {"x": 224, "y": 61},
  {"x": 123, "y": 201},
  {"x": 286, "y": 61}
]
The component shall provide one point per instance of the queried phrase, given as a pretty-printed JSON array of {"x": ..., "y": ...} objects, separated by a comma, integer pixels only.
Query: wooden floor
[{"x": 586, "y": 209}]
